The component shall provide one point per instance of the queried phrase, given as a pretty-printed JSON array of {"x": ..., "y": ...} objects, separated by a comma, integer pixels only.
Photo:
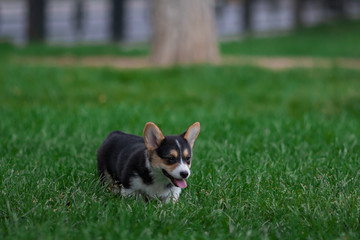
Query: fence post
[
  {"x": 36, "y": 20},
  {"x": 0, "y": 19},
  {"x": 337, "y": 7},
  {"x": 246, "y": 13},
  {"x": 78, "y": 17},
  {"x": 298, "y": 9},
  {"x": 117, "y": 19}
]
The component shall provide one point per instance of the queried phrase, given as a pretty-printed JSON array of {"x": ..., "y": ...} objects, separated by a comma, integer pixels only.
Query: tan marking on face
[
  {"x": 186, "y": 153},
  {"x": 174, "y": 153},
  {"x": 171, "y": 167},
  {"x": 156, "y": 161},
  {"x": 159, "y": 162}
]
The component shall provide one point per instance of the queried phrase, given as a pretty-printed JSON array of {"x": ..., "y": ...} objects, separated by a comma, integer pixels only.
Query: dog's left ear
[
  {"x": 191, "y": 134},
  {"x": 152, "y": 136}
]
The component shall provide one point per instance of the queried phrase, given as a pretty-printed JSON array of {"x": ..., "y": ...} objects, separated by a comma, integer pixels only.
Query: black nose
[{"x": 184, "y": 174}]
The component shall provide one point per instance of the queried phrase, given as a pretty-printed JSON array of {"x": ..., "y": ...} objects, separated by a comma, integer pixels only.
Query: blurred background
[{"x": 102, "y": 21}]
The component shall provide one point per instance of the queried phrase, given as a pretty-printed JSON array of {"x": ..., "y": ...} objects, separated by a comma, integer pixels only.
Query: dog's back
[{"x": 116, "y": 153}]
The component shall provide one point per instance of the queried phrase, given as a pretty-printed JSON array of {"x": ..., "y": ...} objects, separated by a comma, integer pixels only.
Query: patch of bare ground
[
  {"x": 280, "y": 63},
  {"x": 274, "y": 63},
  {"x": 94, "y": 61}
]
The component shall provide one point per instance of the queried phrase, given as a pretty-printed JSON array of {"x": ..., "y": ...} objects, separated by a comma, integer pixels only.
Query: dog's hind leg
[
  {"x": 128, "y": 192},
  {"x": 112, "y": 184}
]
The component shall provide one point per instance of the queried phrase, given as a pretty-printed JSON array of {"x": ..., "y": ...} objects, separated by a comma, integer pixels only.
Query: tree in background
[
  {"x": 183, "y": 32},
  {"x": 36, "y": 20}
]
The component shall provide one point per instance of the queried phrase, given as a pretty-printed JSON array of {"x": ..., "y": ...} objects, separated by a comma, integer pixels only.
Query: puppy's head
[{"x": 171, "y": 154}]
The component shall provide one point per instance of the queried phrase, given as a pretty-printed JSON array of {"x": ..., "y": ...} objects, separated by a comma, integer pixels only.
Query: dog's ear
[
  {"x": 152, "y": 136},
  {"x": 191, "y": 134}
]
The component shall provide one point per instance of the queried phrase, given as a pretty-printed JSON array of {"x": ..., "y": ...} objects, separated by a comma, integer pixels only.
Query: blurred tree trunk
[
  {"x": 36, "y": 20},
  {"x": 117, "y": 19},
  {"x": 184, "y": 32}
]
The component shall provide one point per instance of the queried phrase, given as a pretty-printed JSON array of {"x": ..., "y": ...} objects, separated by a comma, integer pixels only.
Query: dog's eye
[
  {"x": 187, "y": 159},
  {"x": 171, "y": 159}
]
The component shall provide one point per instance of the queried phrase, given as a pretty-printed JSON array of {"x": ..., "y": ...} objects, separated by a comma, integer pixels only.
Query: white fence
[{"x": 60, "y": 21}]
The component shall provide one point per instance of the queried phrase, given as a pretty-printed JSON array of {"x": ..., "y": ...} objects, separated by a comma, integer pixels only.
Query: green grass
[
  {"x": 79, "y": 50},
  {"x": 277, "y": 156},
  {"x": 337, "y": 39}
]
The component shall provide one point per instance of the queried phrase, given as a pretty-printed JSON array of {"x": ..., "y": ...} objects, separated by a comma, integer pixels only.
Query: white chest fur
[{"x": 158, "y": 189}]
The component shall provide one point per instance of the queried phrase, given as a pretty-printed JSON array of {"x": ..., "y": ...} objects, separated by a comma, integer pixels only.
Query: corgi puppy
[{"x": 152, "y": 166}]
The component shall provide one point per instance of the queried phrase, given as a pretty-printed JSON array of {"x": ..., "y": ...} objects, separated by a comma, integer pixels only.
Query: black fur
[{"x": 122, "y": 155}]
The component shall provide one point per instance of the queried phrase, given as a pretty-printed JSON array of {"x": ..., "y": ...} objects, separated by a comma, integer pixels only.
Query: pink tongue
[{"x": 181, "y": 183}]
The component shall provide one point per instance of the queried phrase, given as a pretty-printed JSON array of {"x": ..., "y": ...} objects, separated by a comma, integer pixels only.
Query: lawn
[{"x": 277, "y": 156}]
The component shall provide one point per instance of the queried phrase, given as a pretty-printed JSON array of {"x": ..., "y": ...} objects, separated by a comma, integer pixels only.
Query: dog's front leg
[{"x": 174, "y": 195}]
